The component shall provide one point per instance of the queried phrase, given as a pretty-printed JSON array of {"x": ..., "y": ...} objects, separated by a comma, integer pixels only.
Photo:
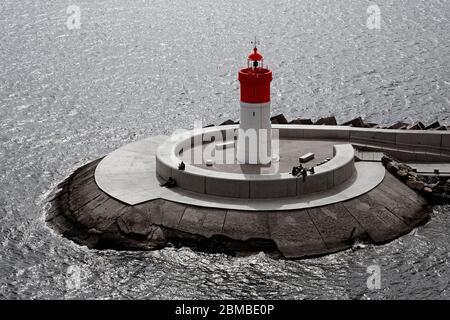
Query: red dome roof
[{"x": 255, "y": 55}]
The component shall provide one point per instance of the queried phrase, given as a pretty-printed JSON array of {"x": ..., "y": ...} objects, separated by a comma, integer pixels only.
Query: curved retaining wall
[{"x": 329, "y": 175}]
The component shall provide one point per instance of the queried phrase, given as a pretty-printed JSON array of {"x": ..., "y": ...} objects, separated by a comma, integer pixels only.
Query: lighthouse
[{"x": 254, "y": 134}]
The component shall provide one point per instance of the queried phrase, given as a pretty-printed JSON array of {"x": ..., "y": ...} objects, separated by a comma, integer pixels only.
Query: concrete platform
[
  {"x": 129, "y": 175},
  {"x": 236, "y": 180}
]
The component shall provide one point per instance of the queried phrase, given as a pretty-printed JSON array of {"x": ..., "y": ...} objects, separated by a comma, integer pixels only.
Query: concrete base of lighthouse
[{"x": 117, "y": 202}]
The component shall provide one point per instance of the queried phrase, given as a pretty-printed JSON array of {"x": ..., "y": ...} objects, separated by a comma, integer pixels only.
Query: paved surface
[
  {"x": 289, "y": 152},
  {"x": 128, "y": 174}
]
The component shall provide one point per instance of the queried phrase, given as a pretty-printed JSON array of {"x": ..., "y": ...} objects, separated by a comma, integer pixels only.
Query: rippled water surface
[{"x": 140, "y": 68}]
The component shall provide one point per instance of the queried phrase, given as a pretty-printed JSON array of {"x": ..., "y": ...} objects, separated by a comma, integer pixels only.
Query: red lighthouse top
[
  {"x": 255, "y": 55},
  {"x": 255, "y": 79}
]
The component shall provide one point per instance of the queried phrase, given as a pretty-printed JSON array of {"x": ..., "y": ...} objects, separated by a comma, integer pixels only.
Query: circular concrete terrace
[
  {"x": 133, "y": 174},
  {"x": 232, "y": 179}
]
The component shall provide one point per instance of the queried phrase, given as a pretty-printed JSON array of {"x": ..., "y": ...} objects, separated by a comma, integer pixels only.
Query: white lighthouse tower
[{"x": 254, "y": 135}]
